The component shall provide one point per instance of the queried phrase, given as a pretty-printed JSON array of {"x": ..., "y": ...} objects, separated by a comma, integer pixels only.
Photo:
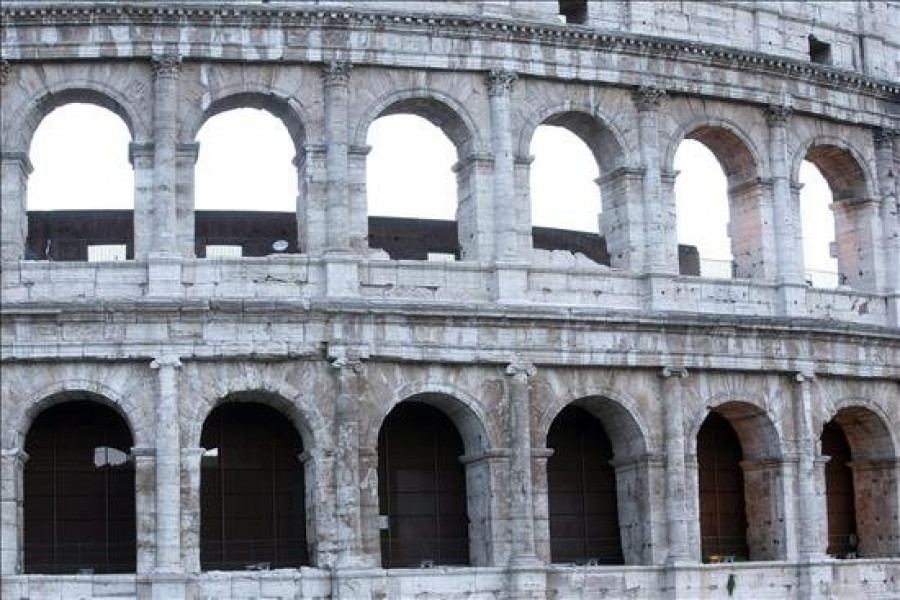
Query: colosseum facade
[{"x": 347, "y": 420}]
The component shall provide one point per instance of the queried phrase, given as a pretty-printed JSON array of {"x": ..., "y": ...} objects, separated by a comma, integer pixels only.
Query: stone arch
[
  {"x": 755, "y": 426},
  {"x": 619, "y": 414},
  {"x": 842, "y": 165},
  {"x": 733, "y": 147},
  {"x": 599, "y": 133},
  {"x": 872, "y": 433},
  {"x": 856, "y": 219},
  {"x": 440, "y": 109},
  {"x": 74, "y": 389},
  {"x": 281, "y": 105},
  {"x": 874, "y": 467},
  {"x": 761, "y": 469},
  {"x": 631, "y": 463},
  {"x": 461, "y": 407},
  {"x": 33, "y": 112},
  {"x": 747, "y": 228},
  {"x": 281, "y": 396}
]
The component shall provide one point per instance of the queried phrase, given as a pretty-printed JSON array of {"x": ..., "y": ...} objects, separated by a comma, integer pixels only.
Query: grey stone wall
[{"x": 503, "y": 339}]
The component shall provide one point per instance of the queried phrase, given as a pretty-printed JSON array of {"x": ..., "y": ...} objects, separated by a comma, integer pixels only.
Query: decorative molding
[
  {"x": 884, "y": 138},
  {"x": 679, "y": 372},
  {"x": 777, "y": 115},
  {"x": 336, "y": 72},
  {"x": 166, "y": 66},
  {"x": 166, "y": 360},
  {"x": 500, "y": 81},
  {"x": 648, "y": 97},
  {"x": 520, "y": 367}
]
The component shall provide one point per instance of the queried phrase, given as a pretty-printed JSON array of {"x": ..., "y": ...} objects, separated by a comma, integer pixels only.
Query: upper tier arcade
[{"x": 763, "y": 85}]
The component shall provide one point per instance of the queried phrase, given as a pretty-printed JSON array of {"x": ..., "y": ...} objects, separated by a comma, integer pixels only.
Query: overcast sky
[{"x": 80, "y": 159}]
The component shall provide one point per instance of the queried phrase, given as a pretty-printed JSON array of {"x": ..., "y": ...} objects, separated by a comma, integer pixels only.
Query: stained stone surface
[{"x": 503, "y": 339}]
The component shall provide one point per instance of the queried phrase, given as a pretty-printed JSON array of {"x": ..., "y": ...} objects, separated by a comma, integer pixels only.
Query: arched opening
[
  {"x": 581, "y": 481},
  {"x": 723, "y": 521},
  {"x": 80, "y": 199},
  {"x": 853, "y": 239},
  {"x": 252, "y": 490},
  {"x": 701, "y": 205},
  {"x": 817, "y": 223},
  {"x": 421, "y": 489},
  {"x": 718, "y": 206},
  {"x": 861, "y": 485},
  {"x": 79, "y": 495},
  {"x": 245, "y": 185},
  {"x": 566, "y": 204},
  {"x": 740, "y": 485},
  {"x": 412, "y": 188},
  {"x": 839, "y": 495}
]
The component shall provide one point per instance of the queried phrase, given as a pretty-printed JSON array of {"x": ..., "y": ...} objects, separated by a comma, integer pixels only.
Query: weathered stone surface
[{"x": 336, "y": 334}]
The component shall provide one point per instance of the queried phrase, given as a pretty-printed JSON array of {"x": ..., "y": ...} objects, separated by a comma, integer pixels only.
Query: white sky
[{"x": 80, "y": 158}]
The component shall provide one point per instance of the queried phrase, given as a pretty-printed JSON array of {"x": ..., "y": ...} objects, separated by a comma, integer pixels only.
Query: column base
[
  {"x": 168, "y": 586},
  {"x": 527, "y": 579}
]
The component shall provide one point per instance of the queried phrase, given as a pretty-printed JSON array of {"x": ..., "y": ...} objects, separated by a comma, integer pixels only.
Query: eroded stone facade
[{"x": 502, "y": 340}]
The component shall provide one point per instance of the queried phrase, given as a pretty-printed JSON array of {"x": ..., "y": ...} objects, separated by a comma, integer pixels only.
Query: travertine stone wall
[{"x": 335, "y": 336}]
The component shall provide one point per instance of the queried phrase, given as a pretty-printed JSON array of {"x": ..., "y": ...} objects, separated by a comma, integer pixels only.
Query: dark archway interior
[
  {"x": 422, "y": 489},
  {"x": 584, "y": 518},
  {"x": 252, "y": 490},
  {"x": 839, "y": 494},
  {"x": 723, "y": 518},
  {"x": 79, "y": 510}
]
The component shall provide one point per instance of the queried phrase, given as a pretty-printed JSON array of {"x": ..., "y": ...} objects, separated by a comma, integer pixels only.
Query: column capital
[
  {"x": 352, "y": 363},
  {"x": 500, "y": 81},
  {"x": 166, "y": 66},
  {"x": 166, "y": 360},
  {"x": 679, "y": 372},
  {"x": 336, "y": 72},
  {"x": 884, "y": 137},
  {"x": 777, "y": 115},
  {"x": 21, "y": 158},
  {"x": 5, "y": 71},
  {"x": 647, "y": 97},
  {"x": 804, "y": 375},
  {"x": 519, "y": 367},
  {"x": 15, "y": 454}
]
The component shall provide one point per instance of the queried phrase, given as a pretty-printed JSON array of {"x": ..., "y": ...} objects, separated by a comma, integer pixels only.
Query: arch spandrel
[
  {"x": 844, "y": 166},
  {"x": 734, "y": 148},
  {"x": 606, "y": 140},
  {"x": 443, "y": 110},
  {"x": 207, "y": 390},
  {"x": 757, "y": 428},
  {"x": 31, "y": 111},
  {"x": 18, "y": 421},
  {"x": 620, "y": 415},
  {"x": 202, "y": 102},
  {"x": 869, "y": 429},
  {"x": 461, "y": 407}
]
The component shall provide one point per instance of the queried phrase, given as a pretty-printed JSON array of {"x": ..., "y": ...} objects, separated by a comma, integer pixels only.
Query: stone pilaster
[
  {"x": 888, "y": 177},
  {"x": 168, "y": 467},
  {"x": 144, "y": 460},
  {"x": 5, "y": 71},
  {"x": 521, "y": 502},
  {"x": 336, "y": 77},
  {"x": 166, "y": 73},
  {"x": 312, "y": 182},
  {"x": 11, "y": 501},
  {"x": 186, "y": 160},
  {"x": 810, "y": 511},
  {"x": 786, "y": 211},
  {"x": 13, "y": 209},
  {"x": 660, "y": 242},
  {"x": 672, "y": 394},
  {"x": 191, "y": 480},
  {"x": 349, "y": 372},
  {"x": 474, "y": 214},
  {"x": 140, "y": 155},
  {"x": 500, "y": 84}
]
